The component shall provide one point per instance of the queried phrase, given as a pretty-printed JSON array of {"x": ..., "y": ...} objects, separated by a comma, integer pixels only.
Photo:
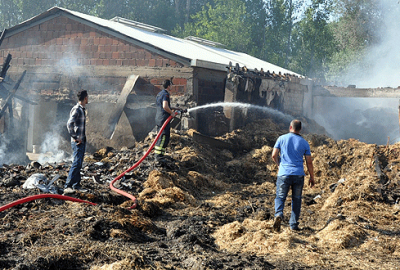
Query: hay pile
[
  {"x": 212, "y": 209},
  {"x": 350, "y": 219}
]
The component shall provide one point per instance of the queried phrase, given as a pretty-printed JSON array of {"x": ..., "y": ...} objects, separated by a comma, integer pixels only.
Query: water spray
[{"x": 242, "y": 106}]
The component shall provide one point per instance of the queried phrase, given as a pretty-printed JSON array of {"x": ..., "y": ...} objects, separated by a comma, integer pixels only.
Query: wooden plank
[
  {"x": 2, "y": 36},
  {"x": 119, "y": 106},
  {"x": 6, "y": 66},
  {"x": 4, "y": 92},
  {"x": 6, "y": 102}
]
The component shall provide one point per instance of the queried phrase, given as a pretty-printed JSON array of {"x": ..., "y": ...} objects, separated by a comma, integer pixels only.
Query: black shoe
[
  {"x": 157, "y": 163},
  {"x": 295, "y": 228},
  {"x": 160, "y": 162},
  {"x": 277, "y": 224}
]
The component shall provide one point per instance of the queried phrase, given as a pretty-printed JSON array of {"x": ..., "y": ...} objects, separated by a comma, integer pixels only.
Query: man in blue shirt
[
  {"x": 288, "y": 154},
  {"x": 164, "y": 111}
]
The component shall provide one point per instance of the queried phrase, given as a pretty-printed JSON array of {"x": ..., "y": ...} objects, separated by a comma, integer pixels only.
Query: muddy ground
[{"x": 211, "y": 208}]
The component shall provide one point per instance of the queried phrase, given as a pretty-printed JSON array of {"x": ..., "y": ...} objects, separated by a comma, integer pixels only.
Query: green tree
[
  {"x": 356, "y": 27},
  {"x": 314, "y": 43},
  {"x": 224, "y": 23},
  {"x": 10, "y": 13},
  {"x": 281, "y": 19},
  {"x": 31, "y": 8},
  {"x": 256, "y": 19}
]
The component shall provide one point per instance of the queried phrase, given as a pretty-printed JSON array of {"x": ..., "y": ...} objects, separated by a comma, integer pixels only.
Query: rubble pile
[{"x": 209, "y": 208}]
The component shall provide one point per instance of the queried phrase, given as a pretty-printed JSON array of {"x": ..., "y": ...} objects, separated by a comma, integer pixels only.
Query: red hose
[
  {"x": 41, "y": 196},
  {"x": 62, "y": 197},
  {"x": 137, "y": 164}
]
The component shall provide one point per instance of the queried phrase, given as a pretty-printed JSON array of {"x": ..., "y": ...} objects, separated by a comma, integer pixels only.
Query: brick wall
[
  {"x": 178, "y": 87},
  {"x": 65, "y": 44},
  {"x": 210, "y": 86},
  {"x": 61, "y": 39}
]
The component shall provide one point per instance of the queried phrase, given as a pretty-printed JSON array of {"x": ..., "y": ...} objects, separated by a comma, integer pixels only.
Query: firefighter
[{"x": 164, "y": 110}]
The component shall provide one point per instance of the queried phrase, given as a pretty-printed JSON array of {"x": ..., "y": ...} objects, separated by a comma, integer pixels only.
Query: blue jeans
[
  {"x": 74, "y": 175},
  {"x": 283, "y": 184}
]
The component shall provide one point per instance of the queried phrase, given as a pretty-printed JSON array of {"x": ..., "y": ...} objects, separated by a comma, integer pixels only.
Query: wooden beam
[
  {"x": 6, "y": 66},
  {"x": 12, "y": 93},
  {"x": 3, "y": 34},
  {"x": 4, "y": 92},
  {"x": 119, "y": 106}
]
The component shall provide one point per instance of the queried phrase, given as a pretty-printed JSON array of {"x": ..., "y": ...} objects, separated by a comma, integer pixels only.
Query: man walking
[
  {"x": 288, "y": 154},
  {"x": 164, "y": 111},
  {"x": 76, "y": 128}
]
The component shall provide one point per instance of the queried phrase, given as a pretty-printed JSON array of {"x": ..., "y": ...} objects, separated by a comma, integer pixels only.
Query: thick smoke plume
[
  {"x": 380, "y": 67},
  {"x": 370, "y": 120}
]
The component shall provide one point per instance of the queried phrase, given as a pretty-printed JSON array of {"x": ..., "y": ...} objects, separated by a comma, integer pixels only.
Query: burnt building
[{"x": 122, "y": 64}]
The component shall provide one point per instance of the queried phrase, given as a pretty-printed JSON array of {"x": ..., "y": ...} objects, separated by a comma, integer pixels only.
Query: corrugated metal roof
[{"x": 197, "y": 53}]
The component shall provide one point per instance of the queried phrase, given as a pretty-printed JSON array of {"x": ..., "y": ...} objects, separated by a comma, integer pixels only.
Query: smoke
[
  {"x": 10, "y": 151},
  {"x": 50, "y": 149},
  {"x": 380, "y": 66},
  {"x": 369, "y": 120},
  {"x": 3, "y": 148},
  {"x": 12, "y": 147}
]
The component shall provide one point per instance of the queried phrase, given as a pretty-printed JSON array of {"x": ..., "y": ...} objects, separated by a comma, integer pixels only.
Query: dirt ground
[{"x": 210, "y": 208}]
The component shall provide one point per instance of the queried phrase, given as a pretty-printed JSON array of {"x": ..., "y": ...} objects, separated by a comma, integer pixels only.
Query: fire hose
[
  {"x": 67, "y": 198},
  {"x": 137, "y": 164}
]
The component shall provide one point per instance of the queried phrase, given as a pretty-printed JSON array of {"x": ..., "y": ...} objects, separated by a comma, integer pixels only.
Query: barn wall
[
  {"x": 293, "y": 99},
  {"x": 209, "y": 87},
  {"x": 63, "y": 56},
  {"x": 66, "y": 46},
  {"x": 281, "y": 93}
]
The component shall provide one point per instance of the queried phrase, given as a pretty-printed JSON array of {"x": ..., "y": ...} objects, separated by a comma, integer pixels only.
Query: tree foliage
[
  {"x": 314, "y": 41},
  {"x": 317, "y": 38},
  {"x": 355, "y": 29},
  {"x": 225, "y": 22},
  {"x": 282, "y": 17}
]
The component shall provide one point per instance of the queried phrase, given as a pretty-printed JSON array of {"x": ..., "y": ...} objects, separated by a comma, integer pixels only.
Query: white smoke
[
  {"x": 50, "y": 151},
  {"x": 2, "y": 150},
  {"x": 9, "y": 152},
  {"x": 371, "y": 120},
  {"x": 380, "y": 66}
]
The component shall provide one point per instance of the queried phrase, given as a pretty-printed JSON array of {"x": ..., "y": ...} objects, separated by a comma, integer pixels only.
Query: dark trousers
[
  {"x": 162, "y": 142},
  {"x": 74, "y": 175}
]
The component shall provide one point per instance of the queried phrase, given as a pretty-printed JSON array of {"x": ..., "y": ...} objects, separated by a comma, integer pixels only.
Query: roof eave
[
  {"x": 55, "y": 12},
  {"x": 208, "y": 65}
]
